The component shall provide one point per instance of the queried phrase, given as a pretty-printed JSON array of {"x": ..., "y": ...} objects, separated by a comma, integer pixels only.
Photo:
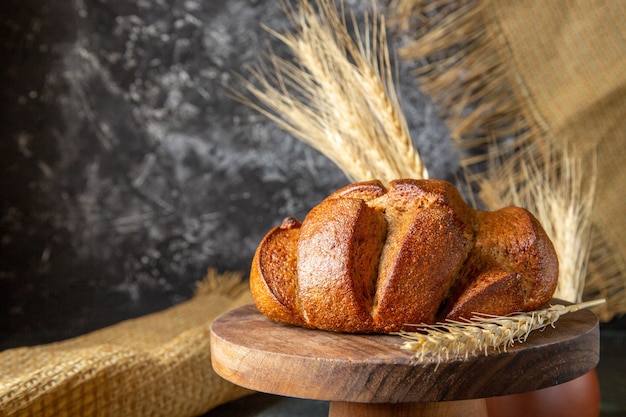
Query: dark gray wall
[{"x": 126, "y": 170}]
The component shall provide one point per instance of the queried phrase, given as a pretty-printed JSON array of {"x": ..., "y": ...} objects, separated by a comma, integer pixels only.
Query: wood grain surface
[
  {"x": 465, "y": 408},
  {"x": 252, "y": 351}
]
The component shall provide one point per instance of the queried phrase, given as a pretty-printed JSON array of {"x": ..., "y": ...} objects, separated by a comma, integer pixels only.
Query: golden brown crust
[
  {"x": 426, "y": 246},
  {"x": 338, "y": 251},
  {"x": 513, "y": 267},
  {"x": 371, "y": 259},
  {"x": 273, "y": 281},
  {"x": 493, "y": 291},
  {"x": 366, "y": 191}
]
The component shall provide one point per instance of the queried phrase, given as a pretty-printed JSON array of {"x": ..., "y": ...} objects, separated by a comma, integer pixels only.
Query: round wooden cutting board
[{"x": 363, "y": 375}]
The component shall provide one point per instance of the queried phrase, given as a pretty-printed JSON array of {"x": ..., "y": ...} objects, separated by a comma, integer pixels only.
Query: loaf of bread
[{"x": 369, "y": 259}]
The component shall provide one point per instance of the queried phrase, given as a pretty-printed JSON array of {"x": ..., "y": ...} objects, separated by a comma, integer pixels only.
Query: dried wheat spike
[
  {"x": 336, "y": 93},
  {"x": 483, "y": 333}
]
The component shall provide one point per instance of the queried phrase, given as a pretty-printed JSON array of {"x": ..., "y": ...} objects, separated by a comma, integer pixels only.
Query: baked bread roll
[{"x": 373, "y": 260}]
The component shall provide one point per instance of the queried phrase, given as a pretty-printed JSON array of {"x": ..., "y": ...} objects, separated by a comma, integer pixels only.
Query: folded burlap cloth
[
  {"x": 156, "y": 365},
  {"x": 543, "y": 72}
]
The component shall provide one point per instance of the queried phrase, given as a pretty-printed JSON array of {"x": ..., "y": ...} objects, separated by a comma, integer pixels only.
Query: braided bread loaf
[{"x": 372, "y": 260}]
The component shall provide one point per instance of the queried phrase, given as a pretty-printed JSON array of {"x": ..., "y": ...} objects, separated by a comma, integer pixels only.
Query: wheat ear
[
  {"x": 483, "y": 333},
  {"x": 337, "y": 93}
]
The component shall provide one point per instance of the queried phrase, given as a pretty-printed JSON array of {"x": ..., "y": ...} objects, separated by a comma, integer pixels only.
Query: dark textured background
[{"x": 126, "y": 170}]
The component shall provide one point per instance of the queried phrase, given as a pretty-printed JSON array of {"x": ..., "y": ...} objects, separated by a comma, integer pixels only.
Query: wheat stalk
[
  {"x": 337, "y": 93},
  {"x": 482, "y": 333}
]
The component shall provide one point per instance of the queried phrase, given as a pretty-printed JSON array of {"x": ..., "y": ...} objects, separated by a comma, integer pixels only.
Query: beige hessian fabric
[
  {"x": 156, "y": 365},
  {"x": 568, "y": 62},
  {"x": 542, "y": 72},
  {"x": 567, "y": 66}
]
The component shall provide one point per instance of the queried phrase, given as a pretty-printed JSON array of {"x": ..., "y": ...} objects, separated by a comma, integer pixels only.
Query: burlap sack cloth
[
  {"x": 542, "y": 72},
  {"x": 553, "y": 69},
  {"x": 156, "y": 365},
  {"x": 567, "y": 63}
]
